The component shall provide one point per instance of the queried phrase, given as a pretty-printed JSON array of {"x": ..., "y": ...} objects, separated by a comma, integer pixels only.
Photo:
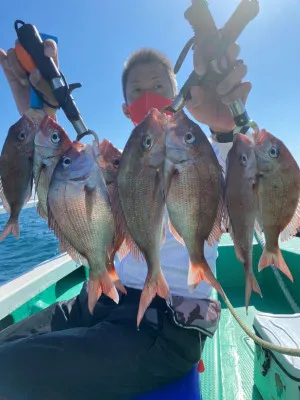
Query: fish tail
[
  {"x": 274, "y": 258},
  {"x": 97, "y": 286},
  {"x": 116, "y": 280},
  {"x": 153, "y": 286},
  {"x": 120, "y": 287},
  {"x": 251, "y": 284},
  {"x": 12, "y": 226},
  {"x": 199, "y": 272}
]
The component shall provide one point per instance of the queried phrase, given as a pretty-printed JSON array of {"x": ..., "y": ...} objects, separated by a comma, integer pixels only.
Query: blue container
[{"x": 186, "y": 388}]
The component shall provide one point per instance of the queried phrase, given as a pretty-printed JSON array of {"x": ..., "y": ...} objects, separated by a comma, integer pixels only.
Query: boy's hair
[{"x": 147, "y": 56}]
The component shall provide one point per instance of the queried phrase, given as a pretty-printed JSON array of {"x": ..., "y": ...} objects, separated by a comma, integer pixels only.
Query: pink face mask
[{"x": 141, "y": 106}]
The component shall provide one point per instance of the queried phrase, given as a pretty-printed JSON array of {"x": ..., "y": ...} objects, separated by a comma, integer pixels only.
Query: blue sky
[{"x": 95, "y": 38}]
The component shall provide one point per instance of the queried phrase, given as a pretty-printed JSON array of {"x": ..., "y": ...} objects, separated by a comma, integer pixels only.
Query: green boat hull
[{"x": 228, "y": 357}]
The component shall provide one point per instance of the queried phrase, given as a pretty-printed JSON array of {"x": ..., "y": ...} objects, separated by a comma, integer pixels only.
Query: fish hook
[{"x": 89, "y": 132}]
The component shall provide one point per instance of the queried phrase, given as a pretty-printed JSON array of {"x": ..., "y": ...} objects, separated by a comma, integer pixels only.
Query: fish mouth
[
  {"x": 176, "y": 155},
  {"x": 168, "y": 172},
  {"x": 44, "y": 159},
  {"x": 40, "y": 150},
  {"x": 157, "y": 159},
  {"x": 79, "y": 179},
  {"x": 264, "y": 165}
]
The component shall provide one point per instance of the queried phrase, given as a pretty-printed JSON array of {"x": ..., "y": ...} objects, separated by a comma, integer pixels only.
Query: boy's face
[{"x": 147, "y": 78}]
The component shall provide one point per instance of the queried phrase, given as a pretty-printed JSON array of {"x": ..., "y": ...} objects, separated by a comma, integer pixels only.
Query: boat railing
[{"x": 23, "y": 288}]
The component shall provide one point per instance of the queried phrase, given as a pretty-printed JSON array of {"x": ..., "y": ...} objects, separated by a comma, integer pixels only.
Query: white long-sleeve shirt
[{"x": 174, "y": 256}]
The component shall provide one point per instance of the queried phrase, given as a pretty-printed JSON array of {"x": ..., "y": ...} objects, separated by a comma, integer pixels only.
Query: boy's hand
[
  {"x": 18, "y": 81},
  {"x": 209, "y": 104}
]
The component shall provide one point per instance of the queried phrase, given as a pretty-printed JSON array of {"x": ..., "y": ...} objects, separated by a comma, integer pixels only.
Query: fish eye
[
  {"x": 274, "y": 152},
  {"x": 55, "y": 138},
  {"x": 243, "y": 159},
  {"x": 66, "y": 162},
  {"x": 21, "y": 136},
  {"x": 116, "y": 163},
  {"x": 147, "y": 142},
  {"x": 189, "y": 138}
]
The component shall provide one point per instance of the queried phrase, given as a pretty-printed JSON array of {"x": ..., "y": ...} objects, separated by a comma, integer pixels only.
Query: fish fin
[
  {"x": 237, "y": 245},
  {"x": 90, "y": 193},
  {"x": 30, "y": 190},
  {"x": 200, "y": 271},
  {"x": 38, "y": 177},
  {"x": 237, "y": 248},
  {"x": 153, "y": 286},
  {"x": 12, "y": 227},
  {"x": 225, "y": 219},
  {"x": 175, "y": 233},
  {"x": 163, "y": 234},
  {"x": 41, "y": 212},
  {"x": 63, "y": 242},
  {"x": 258, "y": 227},
  {"x": 274, "y": 258},
  {"x": 73, "y": 253},
  {"x": 129, "y": 244},
  {"x": 259, "y": 234},
  {"x": 111, "y": 269},
  {"x": 251, "y": 284},
  {"x": 217, "y": 231},
  {"x": 97, "y": 286},
  {"x": 61, "y": 248},
  {"x": 2, "y": 167},
  {"x": 123, "y": 251},
  {"x": 225, "y": 223},
  {"x": 293, "y": 226},
  {"x": 230, "y": 231},
  {"x": 5, "y": 204},
  {"x": 134, "y": 249}
]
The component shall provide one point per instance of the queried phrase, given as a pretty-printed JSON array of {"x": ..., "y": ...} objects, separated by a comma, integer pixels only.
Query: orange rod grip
[{"x": 24, "y": 58}]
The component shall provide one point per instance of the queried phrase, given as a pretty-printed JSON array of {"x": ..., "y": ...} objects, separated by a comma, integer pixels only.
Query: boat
[
  {"x": 31, "y": 203},
  {"x": 230, "y": 357}
]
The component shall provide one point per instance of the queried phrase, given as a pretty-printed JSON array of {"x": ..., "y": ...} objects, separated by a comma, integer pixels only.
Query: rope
[{"x": 260, "y": 239}]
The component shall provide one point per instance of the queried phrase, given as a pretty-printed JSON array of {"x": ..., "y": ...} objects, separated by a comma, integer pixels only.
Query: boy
[{"x": 42, "y": 355}]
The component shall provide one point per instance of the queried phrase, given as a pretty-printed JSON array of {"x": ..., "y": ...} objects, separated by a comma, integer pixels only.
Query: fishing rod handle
[
  {"x": 32, "y": 43},
  {"x": 214, "y": 43},
  {"x": 28, "y": 64}
]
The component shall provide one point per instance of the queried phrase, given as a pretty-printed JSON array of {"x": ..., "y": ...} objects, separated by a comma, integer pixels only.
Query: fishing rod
[
  {"x": 214, "y": 45},
  {"x": 30, "y": 53}
]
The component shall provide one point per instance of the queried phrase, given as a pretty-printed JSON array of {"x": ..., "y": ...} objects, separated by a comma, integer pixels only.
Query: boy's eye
[
  {"x": 136, "y": 90},
  {"x": 159, "y": 86}
]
